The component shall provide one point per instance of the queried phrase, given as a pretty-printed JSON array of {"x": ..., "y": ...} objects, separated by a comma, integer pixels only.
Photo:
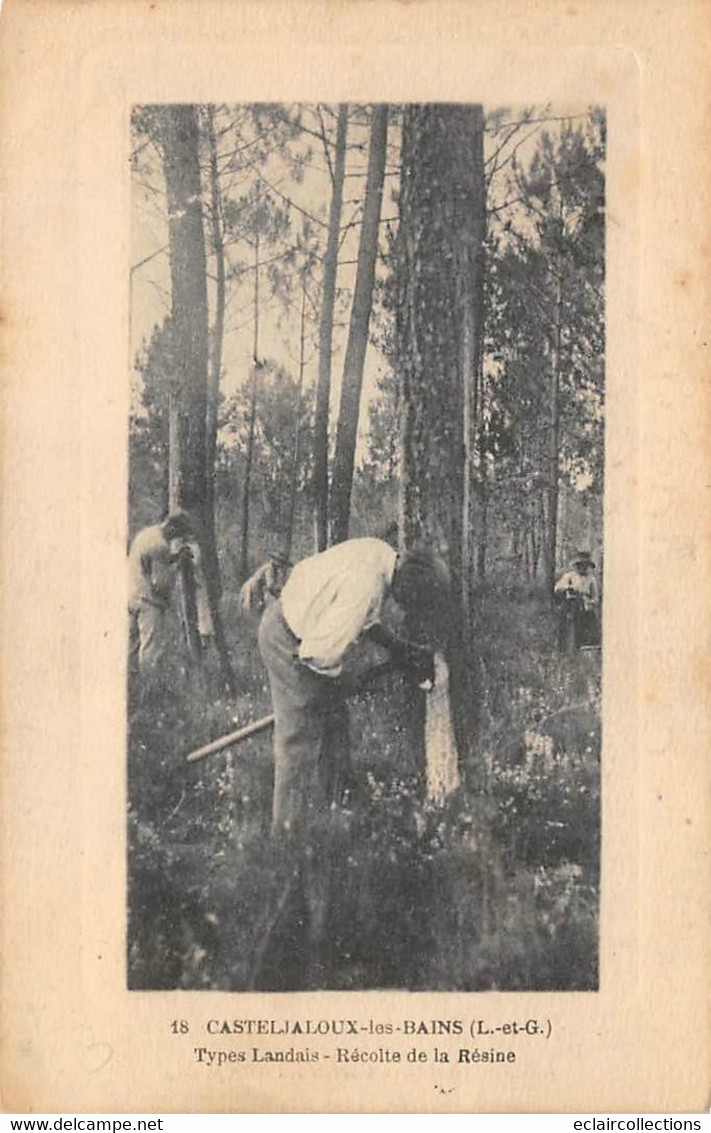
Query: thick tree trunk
[
  {"x": 471, "y": 299},
  {"x": 189, "y": 292},
  {"x": 437, "y": 348},
  {"x": 174, "y": 450},
  {"x": 469, "y": 430},
  {"x": 323, "y": 389},
  {"x": 179, "y": 137},
  {"x": 342, "y": 478}
]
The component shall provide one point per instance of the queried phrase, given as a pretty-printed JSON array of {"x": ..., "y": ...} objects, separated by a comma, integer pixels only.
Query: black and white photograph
[
  {"x": 365, "y": 562},
  {"x": 355, "y": 457}
]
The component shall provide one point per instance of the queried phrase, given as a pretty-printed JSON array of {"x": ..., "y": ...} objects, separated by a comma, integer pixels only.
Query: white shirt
[
  {"x": 332, "y": 598},
  {"x": 583, "y": 584},
  {"x": 151, "y": 570}
]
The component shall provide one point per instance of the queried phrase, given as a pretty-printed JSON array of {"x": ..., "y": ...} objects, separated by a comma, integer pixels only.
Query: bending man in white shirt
[{"x": 332, "y": 601}]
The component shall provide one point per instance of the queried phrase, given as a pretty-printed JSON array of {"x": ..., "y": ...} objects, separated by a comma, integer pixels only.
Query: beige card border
[{"x": 74, "y": 1039}]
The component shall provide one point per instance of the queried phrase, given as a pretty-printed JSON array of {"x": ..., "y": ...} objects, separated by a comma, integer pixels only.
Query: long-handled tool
[
  {"x": 257, "y": 726},
  {"x": 232, "y": 738}
]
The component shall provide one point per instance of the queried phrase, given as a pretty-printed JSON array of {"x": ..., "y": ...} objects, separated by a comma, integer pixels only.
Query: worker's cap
[
  {"x": 178, "y": 524},
  {"x": 421, "y": 579},
  {"x": 582, "y": 558}
]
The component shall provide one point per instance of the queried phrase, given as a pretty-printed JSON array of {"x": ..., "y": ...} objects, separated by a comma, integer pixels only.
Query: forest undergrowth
[{"x": 499, "y": 889}]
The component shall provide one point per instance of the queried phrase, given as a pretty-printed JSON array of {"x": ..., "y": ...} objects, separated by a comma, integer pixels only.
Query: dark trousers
[
  {"x": 576, "y": 626},
  {"x": 311, "y": 742}
]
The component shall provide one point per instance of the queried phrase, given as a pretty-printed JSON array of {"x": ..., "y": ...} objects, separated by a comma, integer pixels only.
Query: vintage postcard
[{"x": 355, "y": 584}]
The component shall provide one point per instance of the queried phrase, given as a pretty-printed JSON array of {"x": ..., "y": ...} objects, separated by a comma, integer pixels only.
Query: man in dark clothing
[{"x": 578, "y": 596}]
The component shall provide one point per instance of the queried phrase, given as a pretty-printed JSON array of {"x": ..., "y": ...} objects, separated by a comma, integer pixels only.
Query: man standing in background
[
  {"x": 152, "y": 568},
  {"x": 265, "y": 585},
  {"x": 579, "y": 597}
]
